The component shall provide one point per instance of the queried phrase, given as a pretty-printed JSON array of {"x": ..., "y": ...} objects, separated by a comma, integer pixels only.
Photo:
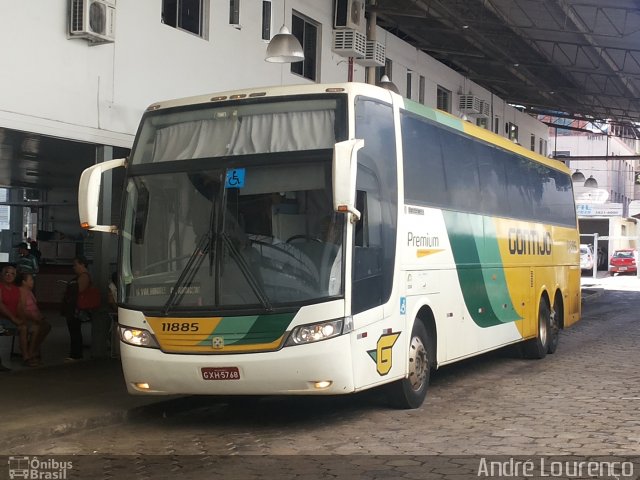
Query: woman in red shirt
[{"x": 9, "y": 301}]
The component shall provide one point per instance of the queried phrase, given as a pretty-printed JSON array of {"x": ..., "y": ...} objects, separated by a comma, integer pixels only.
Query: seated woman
[
  {"x": 9, "y": 304},
  {"x": 28, "y": 309}
]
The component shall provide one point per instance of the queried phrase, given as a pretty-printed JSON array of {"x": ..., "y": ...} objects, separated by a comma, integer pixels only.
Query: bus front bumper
[{"x": 322, "y": 368}]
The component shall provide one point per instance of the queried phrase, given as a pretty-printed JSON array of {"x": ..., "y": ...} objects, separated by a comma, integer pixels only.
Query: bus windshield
[
  {"x": 229, "y": 206},
  {"x": 194, "y": 239}
]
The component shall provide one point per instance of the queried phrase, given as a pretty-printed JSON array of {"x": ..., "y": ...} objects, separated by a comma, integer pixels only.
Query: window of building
[
  {"x": 496, "y": 125},
  {"x": 306, "y": 31},
  {"x": 511, "y": 129},
  {"x": 266, "y": 20},
  {"x": 409, "y": 79},
  {"x": 533, "y": 142},
  {"x": 386, "y": 70},
  {"x": 443, "y": 101},
  {"x": 5, "y": 210},
  {"x": 421, "y": 90},
  {"x": 188, "y": 15},
  {"x": 234, "y": 12},
  {"x": 482, "y": 122}
]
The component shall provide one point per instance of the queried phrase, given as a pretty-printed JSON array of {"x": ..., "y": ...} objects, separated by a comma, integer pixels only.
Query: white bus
[{"x": 327, "y": 239}]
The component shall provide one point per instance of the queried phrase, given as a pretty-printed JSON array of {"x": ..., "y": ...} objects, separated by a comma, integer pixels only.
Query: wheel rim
[
  {"x": 542, "y": 327},
  {"x": 418, "y": 364}
]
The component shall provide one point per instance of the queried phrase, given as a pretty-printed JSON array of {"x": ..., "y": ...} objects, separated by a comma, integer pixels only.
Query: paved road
[{"x": 583, "y": 400}]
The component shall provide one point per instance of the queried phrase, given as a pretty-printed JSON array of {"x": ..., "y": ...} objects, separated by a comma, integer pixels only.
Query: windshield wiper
[
  {"x": 188, "y": 272},
  {"x": 257, "y": 289}
]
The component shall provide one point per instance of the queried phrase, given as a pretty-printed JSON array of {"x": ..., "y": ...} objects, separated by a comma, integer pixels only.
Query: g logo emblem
[{"x": 382, "y": 354}]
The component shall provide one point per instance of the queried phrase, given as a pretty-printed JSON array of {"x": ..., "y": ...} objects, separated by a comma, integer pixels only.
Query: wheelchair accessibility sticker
[
  {"x": 382, "y": 354},
  {"x": 235, "y": 178},
  {"x": 403, "y": 305}
]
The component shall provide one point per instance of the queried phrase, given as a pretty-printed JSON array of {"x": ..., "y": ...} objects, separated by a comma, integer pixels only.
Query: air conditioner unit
[
  {"x": 31, "y": 194},
  {"x": 485, "y": 109},
  {"x": 350, "y": 14},
  {"x": 374, "y": 56},
  {"x": 349, "y": 43},
  {"x": 469, "y": 104},
  {"x": 93, "y": 20}
]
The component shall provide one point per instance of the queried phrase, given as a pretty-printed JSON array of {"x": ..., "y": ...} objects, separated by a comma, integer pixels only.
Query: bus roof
[{"x": 276, "y": 91}]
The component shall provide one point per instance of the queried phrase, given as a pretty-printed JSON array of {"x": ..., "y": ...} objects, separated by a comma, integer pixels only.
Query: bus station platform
[{"x": 60, "y": 397}]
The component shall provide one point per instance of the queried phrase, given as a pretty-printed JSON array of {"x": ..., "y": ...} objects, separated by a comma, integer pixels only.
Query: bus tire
[
  {"x": 537, "y": 348},
  {"x": 410, "y": 392},
  {"x": 554, "y": 329}
]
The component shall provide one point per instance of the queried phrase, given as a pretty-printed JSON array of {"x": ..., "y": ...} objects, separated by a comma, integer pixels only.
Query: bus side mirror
[
  {"x": 89, "y": 195},
  {"x": 345, "y": 168}
]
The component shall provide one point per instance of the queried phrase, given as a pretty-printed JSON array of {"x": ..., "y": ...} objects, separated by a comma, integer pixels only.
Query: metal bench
[{"x": 13, "y": 333}]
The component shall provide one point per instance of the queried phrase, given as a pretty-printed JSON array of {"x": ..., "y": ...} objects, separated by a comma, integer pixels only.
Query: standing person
[
  {"x": 112, "y": 293},
  {"x": 9, "y": 303},
  {"x": 27, "y": 262},
  {"x": 28, "y": 309},
  {"x": 35, "y": 251},
  {"x": 74, "y": 310}
]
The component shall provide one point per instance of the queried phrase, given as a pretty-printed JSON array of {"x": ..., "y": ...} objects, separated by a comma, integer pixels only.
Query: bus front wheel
[
  {"x": 538, "y": 347},
  {"x": 410, "y": 392}
]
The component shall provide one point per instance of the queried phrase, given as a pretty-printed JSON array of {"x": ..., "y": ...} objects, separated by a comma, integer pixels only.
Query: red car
[{"x": 623, "y": 261}]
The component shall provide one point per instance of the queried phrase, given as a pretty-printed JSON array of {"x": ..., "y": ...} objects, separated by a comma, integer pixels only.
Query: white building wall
[
  {"x": 615, "y": 176},
  {"x": 71, "y": 89}
]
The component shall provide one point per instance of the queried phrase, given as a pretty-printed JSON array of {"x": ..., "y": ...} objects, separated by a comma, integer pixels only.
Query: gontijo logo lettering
[{"x": 529, "y": 242}]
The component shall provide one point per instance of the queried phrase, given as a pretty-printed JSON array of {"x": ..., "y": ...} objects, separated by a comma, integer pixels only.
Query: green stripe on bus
[
  {"x": 252, "y": 329},
  {"x": 474, "y": 243},
  {"x": 497, "y": 288},
  {"x": 435, "y": 115}
]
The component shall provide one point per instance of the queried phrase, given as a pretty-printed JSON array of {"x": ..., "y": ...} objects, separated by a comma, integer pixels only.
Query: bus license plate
[{"x": 220, "y": 373}]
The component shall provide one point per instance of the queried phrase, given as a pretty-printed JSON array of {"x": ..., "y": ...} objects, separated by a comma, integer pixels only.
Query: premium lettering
[{"x": 422, "y": 240}]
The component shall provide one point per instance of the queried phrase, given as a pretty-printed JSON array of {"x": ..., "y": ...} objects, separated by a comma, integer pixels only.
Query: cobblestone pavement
[{"x": 584, "y": 400}]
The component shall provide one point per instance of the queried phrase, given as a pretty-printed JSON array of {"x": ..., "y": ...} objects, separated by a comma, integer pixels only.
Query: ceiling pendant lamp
[
  {"x": 284, "y": 47},
  {"x": 577, "y": 176},
  {"x": 591, "y": 182},
  {"x": 387, "y": 84}
]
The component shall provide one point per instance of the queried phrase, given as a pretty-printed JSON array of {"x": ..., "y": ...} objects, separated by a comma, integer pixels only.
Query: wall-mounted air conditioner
[
  {"x": 350, "y": 14},
  {"x": 93, "y": 20},
  {"x": 374, "y": 55},
  {"x": 469, "y": 104},
  {"x": 485, "y": 109},
  {"x": 349, "y": 43}
]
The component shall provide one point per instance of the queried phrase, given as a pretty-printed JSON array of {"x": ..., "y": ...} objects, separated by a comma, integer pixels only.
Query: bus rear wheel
[
  {"x": 410, "y": 392},
  {"x": 554, "y": 327},
  {"x": 537, "y": 347}
]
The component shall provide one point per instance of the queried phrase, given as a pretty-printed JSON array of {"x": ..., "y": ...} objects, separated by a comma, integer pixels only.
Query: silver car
[{"x": 586, "y": 257}]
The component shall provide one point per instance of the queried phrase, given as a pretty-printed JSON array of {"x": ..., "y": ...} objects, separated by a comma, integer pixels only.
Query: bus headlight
[
  {"x": 138, "y": 337},
  {"x": 315, "y": 332}
]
